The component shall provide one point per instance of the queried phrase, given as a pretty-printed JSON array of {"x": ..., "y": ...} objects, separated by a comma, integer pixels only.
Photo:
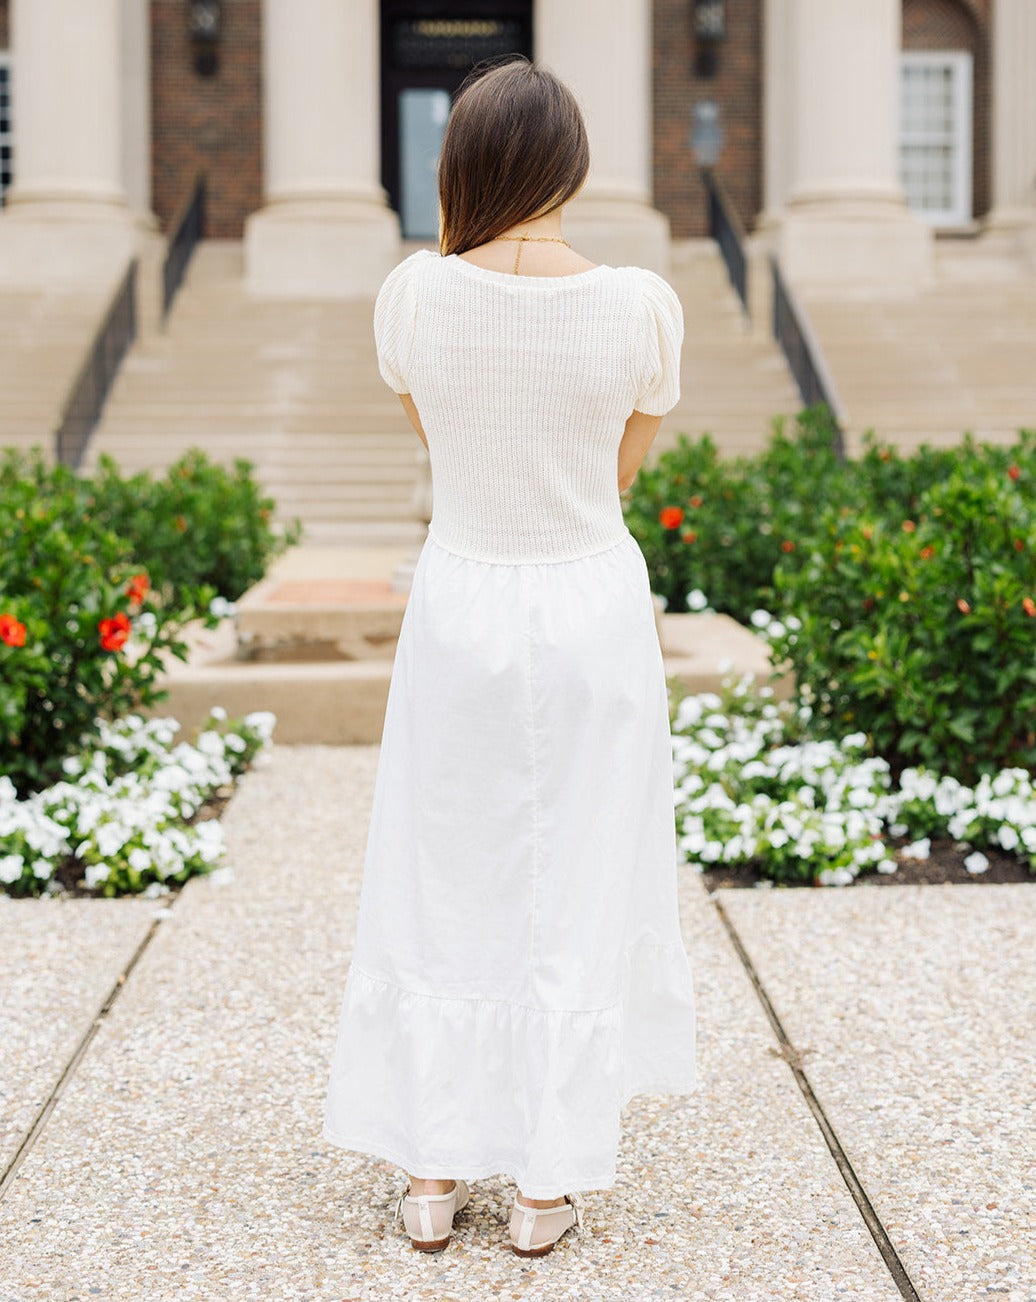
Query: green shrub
[
  {"x": 82, "y": 632},
  {"x": 721, "y": 525},
  {"x": 200, "y": 523},
  {"x": 920, "y": 629}
]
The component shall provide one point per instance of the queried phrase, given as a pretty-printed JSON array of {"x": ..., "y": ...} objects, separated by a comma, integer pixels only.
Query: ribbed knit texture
[{"x": 524, "y": 385}]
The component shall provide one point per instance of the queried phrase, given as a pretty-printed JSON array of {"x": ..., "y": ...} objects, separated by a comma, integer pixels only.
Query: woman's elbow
[{"x": 626, "y": 478}]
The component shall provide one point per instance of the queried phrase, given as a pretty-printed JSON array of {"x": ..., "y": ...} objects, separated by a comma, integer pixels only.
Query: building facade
[{"x": 849, "y": 134}]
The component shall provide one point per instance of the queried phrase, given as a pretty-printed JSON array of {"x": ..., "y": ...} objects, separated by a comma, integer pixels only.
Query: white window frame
[
  {"x": 961, "y": 62},
  {"x": 7, "y": 137}
]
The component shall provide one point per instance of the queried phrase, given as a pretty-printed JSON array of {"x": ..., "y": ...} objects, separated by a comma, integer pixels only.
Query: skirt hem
[{"x": 486, "y": 1170}]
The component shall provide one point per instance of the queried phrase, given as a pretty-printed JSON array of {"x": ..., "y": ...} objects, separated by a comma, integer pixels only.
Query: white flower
[
  {"x": 1008, "y": 837},
  {"x": 697, "y": 600},
  {"x": 918, "y": 849},
  {"x": 11, "y": 866},
  {"x": 221, "y": 608},
  {"x": 96, "y": 873},
  {"x": 217, "y": 712},
  {"x": 976, "y": 862},
  {"x": 760, "y": 618},
  {"x": 139, "y": 860}
]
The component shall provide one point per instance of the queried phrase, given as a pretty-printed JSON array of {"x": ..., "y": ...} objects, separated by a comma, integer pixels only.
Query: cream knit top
[{"x": 524, "y": 385}]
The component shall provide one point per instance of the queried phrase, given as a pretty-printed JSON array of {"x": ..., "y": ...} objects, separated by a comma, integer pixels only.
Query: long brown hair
[{"x": 514, "y": 148}]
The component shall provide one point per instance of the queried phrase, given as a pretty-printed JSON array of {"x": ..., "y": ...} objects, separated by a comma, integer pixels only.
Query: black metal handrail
[
  {"x": 726, "y": 229},
  {"x": 800, "y": 346},
  {"x": 188, "y": 229},
  {"x": 87, "y": 395}
]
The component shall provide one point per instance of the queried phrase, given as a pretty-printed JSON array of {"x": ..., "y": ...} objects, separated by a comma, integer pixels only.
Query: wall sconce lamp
[
  {"x": 709, "y": 21},
  {"x": 205, "y": 27}
]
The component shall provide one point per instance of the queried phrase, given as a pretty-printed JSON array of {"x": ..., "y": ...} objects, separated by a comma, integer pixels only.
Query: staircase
[
  {"x": 46, "y": 335},
  {"x": 928, "y": 365},
  {"x": 291, "y": 386},
  {"x": 734, "y": 379}
]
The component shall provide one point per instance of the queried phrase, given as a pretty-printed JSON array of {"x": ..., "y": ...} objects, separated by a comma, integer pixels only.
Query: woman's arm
[
  {"x": 637, "y": 437},
  {"x": 412, "y": 416}
]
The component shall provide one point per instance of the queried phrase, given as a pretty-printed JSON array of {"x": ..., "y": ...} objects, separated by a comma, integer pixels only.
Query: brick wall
[
  {"x": 736, "y": 87},
  {"x": 960, "y": 25},
  {"x": 211, "y": 124}
]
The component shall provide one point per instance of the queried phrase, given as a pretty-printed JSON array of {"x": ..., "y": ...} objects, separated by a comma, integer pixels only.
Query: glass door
[
  {"x": 422, "y": 121},
  {"x": 427, "y": 50}
]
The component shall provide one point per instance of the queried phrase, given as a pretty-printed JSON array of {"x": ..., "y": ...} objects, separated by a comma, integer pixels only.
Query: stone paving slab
[
  {"x": 185, "y": 1158},
  {"x": 58, "y": 961},
  {"x": 915, "y": 1005}
]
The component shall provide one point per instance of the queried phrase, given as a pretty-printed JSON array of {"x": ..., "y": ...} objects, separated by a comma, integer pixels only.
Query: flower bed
[
  {"x": 98, "y": 579},
  {"x": 125, "y": 816},
  {"x": 753, "y": 788},
  {"x": 902, "y": 589}
]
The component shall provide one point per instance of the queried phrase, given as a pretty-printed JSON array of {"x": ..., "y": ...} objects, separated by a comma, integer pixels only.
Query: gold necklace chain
[{"x": 537, "y": 239}]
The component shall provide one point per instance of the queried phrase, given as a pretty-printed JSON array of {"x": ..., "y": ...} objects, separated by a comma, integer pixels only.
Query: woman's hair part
[{"x": 515, "y": 148}]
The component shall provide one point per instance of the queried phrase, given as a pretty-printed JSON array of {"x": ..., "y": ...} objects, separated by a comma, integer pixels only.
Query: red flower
[
  {"x": 696, "y": 502},
  {"x": 137, "y": 588},
  {"x": 927, "y": 553},
  {"x": 909, "y": 526},
  {"x": 115, "y": 631},
  {"x": 12, "y": 631},
  {"x": 689, "y": 536},
  {"x": 1029, "y": 606},
  {"x": 787, "y": 545},
  {"x": 1018, "y": 544},
  {"x": 670, "y": 517},
  {"x": 1013, "y": 472},
  {"x": 963, "y": 606}
]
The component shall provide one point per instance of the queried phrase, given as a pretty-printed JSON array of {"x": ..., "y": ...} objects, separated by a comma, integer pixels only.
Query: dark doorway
[{"x": 427, "y": 48}]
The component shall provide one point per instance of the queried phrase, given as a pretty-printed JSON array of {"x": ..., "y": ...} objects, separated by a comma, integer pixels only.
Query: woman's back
[{"x": 524, "y": 385}]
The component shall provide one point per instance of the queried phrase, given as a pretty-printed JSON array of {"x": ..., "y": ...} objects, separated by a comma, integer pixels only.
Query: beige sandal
[
  {"x": 535, "y": 1230},
  {"x": 428, "y": 1218}
]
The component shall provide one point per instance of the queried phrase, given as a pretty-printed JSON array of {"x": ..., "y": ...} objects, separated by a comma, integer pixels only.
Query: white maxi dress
[{"x": 518, "y": 971}]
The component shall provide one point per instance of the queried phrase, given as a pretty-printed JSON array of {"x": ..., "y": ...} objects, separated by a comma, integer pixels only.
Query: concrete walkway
[{"x": 874, "y": 1088}]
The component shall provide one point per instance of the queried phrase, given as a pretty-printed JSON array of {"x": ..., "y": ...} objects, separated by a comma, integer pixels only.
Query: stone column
[
  {"x": 326, "y": 230},
  {"x": 777, "y": 87},
  {"x": 136, "y": 109},
  {"x": 67, "y": 220},
  {"x": 1014, "y": 121},
  {"x": 845, "y": 218},
  {"x": 601, "y": 49}
]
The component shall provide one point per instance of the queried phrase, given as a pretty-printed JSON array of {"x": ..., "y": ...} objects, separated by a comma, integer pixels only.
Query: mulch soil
[{"x": 944, "y": 867}]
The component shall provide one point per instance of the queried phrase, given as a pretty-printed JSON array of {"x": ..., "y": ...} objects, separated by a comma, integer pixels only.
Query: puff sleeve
[
  {"x": 395, "y": 314},
  {"x": 658, "y": 377}
]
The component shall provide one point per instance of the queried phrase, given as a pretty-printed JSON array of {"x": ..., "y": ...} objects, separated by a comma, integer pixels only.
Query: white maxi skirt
[{"x": 518, "y": 971}]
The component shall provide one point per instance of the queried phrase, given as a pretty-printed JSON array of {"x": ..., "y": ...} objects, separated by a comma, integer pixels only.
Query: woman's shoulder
[
  {"x": 657, "y": 294},
  {"x": 407, "y": 268}
]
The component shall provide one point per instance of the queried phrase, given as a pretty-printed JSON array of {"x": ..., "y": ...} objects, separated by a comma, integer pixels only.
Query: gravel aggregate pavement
[
  {"x": 184, "y": 1159},
  {"x": 914, "y": 1011},
  {"x": 58, "y": 961}
]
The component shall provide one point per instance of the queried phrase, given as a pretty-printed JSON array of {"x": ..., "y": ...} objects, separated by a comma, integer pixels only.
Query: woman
[{"x": 518, "y": 973}]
